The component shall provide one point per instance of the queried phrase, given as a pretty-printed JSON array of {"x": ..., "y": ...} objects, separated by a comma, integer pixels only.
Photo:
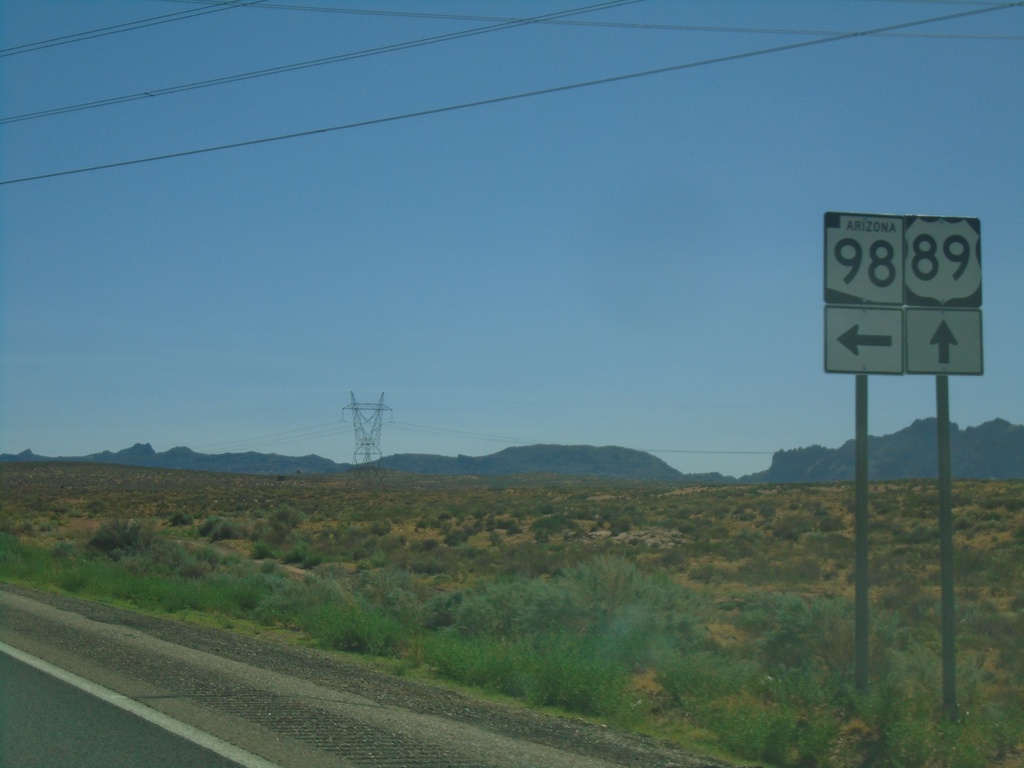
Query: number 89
[{"x": 925, "y": 263}]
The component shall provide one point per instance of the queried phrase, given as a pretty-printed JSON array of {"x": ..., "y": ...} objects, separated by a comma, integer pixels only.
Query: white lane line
[{"x": 178, "y": 728}]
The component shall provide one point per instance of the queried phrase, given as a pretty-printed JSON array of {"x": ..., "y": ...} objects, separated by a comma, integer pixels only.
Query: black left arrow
[
  {"x": 944, "y": 338},
  {"x": 853, "y": 339}
]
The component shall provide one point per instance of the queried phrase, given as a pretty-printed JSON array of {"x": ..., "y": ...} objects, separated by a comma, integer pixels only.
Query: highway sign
[
  {"x": 943, "y": 262},
  {"x": 863, "y": 258},
  {"x": 944, "y": 341},
  {"x": 863, "y": 340}
]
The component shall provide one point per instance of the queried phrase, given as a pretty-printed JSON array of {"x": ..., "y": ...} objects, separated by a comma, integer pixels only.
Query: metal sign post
[
  {"x": 925, "y": 272},
  {"x": 946, "y": 552},
  {"x": 860, "y": 525}
]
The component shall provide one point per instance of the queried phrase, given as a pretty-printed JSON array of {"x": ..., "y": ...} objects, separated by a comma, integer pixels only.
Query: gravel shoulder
[{"x": 305, "y": 707}]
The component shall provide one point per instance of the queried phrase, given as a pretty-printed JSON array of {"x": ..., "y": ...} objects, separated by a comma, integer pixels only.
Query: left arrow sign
[
  {"x": 853, "y": 339},
  {"x": 864, "y": 339}
]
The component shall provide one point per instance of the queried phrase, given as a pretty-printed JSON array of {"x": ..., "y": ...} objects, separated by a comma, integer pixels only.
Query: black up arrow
[
  {"x": 853, "y": 339},
  {"x": 943, "y": 337}
]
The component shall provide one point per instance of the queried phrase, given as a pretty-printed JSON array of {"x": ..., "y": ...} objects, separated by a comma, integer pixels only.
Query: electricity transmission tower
[{"x": 367, "y": 420}]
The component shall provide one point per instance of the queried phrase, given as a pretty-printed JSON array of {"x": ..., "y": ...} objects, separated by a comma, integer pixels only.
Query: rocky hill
[
  {"x": 994, "y": 449},
  {"x": 585, "y": 460}
]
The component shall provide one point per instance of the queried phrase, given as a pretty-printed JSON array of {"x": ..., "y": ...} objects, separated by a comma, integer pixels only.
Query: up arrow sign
[
  {"x": 943, "y": 341},
  {"x": 943, "y": 337},
  {"x": 853, "y": 339}
]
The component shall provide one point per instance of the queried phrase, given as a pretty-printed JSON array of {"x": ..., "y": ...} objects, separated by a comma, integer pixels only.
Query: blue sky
[{"x": 633, "y": 263}]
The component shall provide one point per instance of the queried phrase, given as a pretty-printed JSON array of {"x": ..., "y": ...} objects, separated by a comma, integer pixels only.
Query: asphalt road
[
  {"x": 45, "y": 722},
  {"x": 281, "y": 706}
]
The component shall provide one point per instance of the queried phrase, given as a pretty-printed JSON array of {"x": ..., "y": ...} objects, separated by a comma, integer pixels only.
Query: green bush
[
  {"x": 261, "y": 550},
  {"x": 218, "y": 528},
  {"x": 569, "y": 672},
  {"x": 354, "y": 627},
  {"x": 696, "y": 679},
  {"x": 559, "y": 670},
  {"x": 480, "y": 661},
  {"x": 119, "y": 538}
]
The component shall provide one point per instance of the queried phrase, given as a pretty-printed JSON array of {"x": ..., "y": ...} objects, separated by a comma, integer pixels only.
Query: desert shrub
[
  {"x": 168, "y": 556},
  {"x": 575, "y": 675},
  {"x": 218, "y": 528},
  {"x": 275, "y": 525},
  {"x": 555, "y": 670},
  {"x": 62, "y": 549},
  {"x": 791, "y": 527},
  {"x": 428, "y": 566},
  {"x": 749, "y": 729},
  {"x": 240, "y": 594},
  {"x": 180, "y": 518},
  {"x": 632, "y": 614},
  {"x": 623, "y": 616},
  {"x": 18, "y": 560},
  {"x": 283, "y": 601},
  {"x": 456, "y": 537},
  {"x": 119, "y": 538},
  {"x": 797, "y": 633},
  {"x": 698, "y": 678},
  {"x": 549, "y": 525},
  {"x": 261, "y": 550},
  {"x": 513, "y": 608},
  {"x": 480, "y": 661},
  {"x": 354, "y": 626},
  {"x": 398, "y": 592}
]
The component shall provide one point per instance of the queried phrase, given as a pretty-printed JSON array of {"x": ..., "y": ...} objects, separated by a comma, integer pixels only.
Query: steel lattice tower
[{"x": 367, "y": 420}]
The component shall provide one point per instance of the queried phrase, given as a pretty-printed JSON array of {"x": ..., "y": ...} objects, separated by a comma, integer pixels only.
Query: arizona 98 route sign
[{"x": 863, "y": 259}]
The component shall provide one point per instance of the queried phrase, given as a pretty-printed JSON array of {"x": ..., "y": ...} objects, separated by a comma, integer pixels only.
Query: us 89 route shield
[{"x": 943, "y": 262}]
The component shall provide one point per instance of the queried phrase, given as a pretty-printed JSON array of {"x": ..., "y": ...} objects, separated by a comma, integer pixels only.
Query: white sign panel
[
  {"x": 863, "y": 340},
  {"x": 863, "y": 259},
  {"x": 943, "y": 341},
  {"x": 943, "y": 262}
]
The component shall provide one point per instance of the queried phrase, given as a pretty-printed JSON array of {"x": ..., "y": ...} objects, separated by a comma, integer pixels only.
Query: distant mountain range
[{"x": 994, "y": 449}]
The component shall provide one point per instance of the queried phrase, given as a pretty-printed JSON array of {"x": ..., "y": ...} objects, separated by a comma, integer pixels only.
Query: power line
[
  {"x": 643, "y": 26},
  {"x": 461, "y": 433},
  {"x": 503, "y": 23},
  {"x": 694, "y": 450},
  {"x": 274, "y": 438},
  {"x": 513, "y": 97},
  {"x": 125, "y": 27},
  {"x": 152, "y": 93},
  {"x": 474, "y": 17}
]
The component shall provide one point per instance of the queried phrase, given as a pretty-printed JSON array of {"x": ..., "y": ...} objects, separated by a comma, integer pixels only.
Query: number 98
[{"x": 881, "y": 270}]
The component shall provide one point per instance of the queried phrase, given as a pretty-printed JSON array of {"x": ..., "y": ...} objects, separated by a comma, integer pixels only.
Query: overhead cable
[
  {"x": 513, "y": 97},
  {"x": 630, "y": 25},
  {"x": 126, "y": 27},
  {"x": 154, "y": 92},
  {"x": 288, "y": 436}
]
